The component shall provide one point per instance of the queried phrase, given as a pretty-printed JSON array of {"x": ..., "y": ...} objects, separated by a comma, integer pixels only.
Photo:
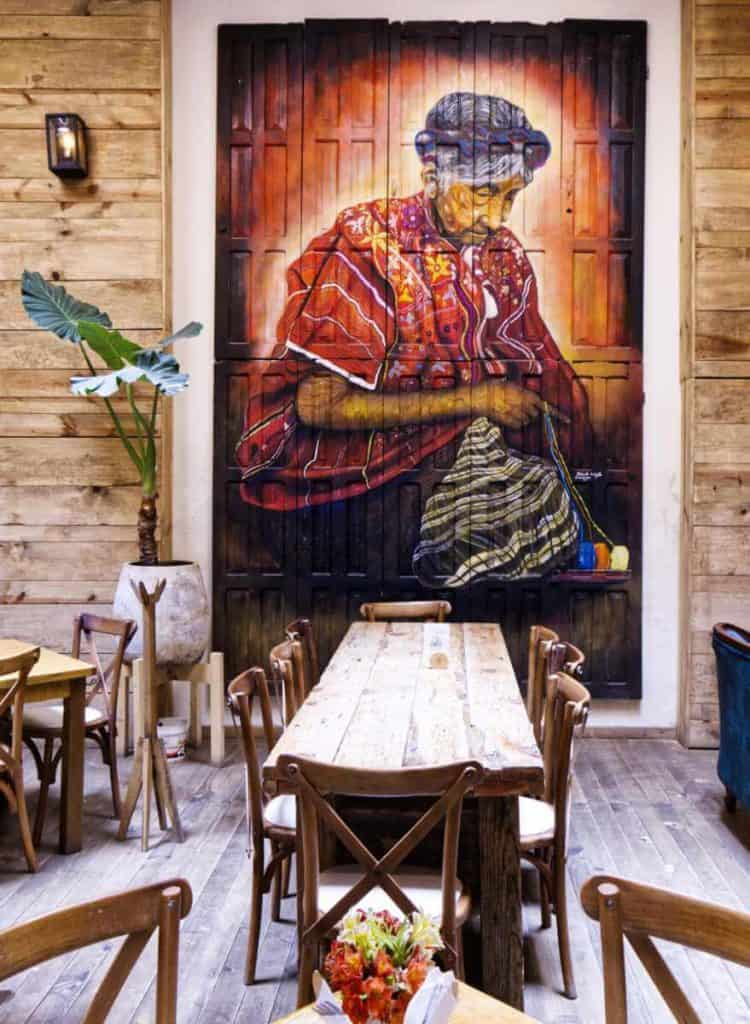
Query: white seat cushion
[
  {"x": 281, "y": 812},
  {"x": 50, "y": 716},
  {"x": 421, "y": 885},
  {"x": 536, "y": 820}
]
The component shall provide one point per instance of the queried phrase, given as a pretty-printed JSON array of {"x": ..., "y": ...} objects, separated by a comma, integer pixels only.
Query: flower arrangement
[{"x": 378, "y": 962}]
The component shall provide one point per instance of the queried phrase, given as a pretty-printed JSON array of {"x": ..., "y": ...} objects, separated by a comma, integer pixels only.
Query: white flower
[{"x": 425, "y": 932}]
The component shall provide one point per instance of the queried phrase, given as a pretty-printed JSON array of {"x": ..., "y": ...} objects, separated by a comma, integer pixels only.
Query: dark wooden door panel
[{"x": 317, "y": 119}]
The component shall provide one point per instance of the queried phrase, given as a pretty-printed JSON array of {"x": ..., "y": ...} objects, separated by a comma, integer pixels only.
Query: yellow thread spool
[{"x": 619, "y": 559}]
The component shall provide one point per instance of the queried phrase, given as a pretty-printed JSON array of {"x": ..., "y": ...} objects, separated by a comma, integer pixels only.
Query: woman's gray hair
[{"x": 466, "y": 139}]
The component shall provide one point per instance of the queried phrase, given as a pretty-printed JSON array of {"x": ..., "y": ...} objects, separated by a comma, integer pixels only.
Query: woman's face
[{"x": 469, "y": 213}]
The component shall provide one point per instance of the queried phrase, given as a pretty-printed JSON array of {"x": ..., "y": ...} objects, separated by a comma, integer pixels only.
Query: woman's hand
[{"x": 506, "y": 404}]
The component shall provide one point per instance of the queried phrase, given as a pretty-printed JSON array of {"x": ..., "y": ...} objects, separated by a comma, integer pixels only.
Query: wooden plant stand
[
  {"x": 208, "y": 674},
  {"x": 150, "y": 769}
]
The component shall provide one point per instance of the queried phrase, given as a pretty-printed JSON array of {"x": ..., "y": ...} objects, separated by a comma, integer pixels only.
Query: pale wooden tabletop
[
  {"x": 472, "y": 1007},
  {"x": 52, "y": 666},
  {"x": 379, "y": 704}
]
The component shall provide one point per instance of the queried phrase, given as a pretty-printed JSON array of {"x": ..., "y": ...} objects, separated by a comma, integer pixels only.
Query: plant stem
[{"x": 115, "y": 419}]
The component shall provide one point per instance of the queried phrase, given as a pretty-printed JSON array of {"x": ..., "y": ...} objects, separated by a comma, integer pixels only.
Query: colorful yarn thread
[{"x": 591, "y": 557}]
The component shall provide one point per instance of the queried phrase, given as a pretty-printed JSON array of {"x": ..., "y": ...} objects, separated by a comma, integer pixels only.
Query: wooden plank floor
[{"x": 646, "y": 809}]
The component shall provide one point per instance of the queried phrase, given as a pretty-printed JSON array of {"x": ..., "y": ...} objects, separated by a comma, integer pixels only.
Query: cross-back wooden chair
[
  {"x": 540, "y": 643},
  {"x": 43, "y": 722},
  {"x": 11, "y": 755},
  {"x": 414, "y": 611},
  {"x": 136, "y": 913},
  {"x": 287, "y": 662},
  {"x": 377, "y": 883},
  {"x": 273, "y": 819},
  {"x": 641, "y": 913},
  {"x": 543, "y": 824},
  {"x": 302, "y": 630}
]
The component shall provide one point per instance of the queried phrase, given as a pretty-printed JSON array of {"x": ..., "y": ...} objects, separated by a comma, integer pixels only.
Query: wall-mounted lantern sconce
[{"x": 66, "y": 145}]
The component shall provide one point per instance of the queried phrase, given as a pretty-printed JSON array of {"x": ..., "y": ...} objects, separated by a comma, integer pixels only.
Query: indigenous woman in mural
[{"x": 413, "y": 324}]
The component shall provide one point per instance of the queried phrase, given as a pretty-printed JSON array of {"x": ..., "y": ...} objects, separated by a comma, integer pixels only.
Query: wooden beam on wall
[
  {"x": 68, "y": 493},
  {"x": 715, "y": 345}
]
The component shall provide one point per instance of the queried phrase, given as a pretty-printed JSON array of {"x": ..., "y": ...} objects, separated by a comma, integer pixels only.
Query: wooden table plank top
[
  {"x": 52, "y": 666},
  {"x": 381, "y": 704},
  {"x": 472, "y": 1006}
]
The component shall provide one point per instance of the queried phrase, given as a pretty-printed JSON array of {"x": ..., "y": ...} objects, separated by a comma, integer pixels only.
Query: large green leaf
[
  {"x": 110, "y": 346},
  {"x": 53, "y": 309},
  {"x": 158, "y": 368},
  {"x": 131, "y": 363},
  {"x": 191, "y": 330}
]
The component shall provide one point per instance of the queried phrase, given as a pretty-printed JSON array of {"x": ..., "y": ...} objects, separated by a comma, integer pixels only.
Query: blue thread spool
[{"x": 586, "y": 560}]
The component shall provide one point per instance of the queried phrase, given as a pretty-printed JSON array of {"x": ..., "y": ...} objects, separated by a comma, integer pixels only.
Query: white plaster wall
[{"x": 194, "y": 154}]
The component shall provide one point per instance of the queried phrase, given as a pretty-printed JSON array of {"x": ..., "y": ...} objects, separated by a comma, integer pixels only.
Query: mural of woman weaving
[{"x": 412, "y": 324}]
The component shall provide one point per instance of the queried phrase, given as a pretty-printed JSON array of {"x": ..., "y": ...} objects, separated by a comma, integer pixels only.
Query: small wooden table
[
  {"x": 58, "y": 677},
  {"x": 473, "y": 1007},
  {"x": 379, "y": 705}
]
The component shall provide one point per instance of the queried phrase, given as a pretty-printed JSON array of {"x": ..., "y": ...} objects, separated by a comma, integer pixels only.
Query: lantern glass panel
[{"x": 66, "y": 145}]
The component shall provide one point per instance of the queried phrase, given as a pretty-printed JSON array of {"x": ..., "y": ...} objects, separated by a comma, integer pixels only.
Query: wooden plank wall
[
  {"x": 68, "y": 499},
  {"x": 716, "y": 345}
]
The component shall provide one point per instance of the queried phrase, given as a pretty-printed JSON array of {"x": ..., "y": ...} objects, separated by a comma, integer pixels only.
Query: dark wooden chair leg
[
  {"x": 114, "y": 777},
  {"x": 256, "y": 907},
  {"x": 286, "y": 866},
  {"x": 46, "y": 770},
  {"x": 730, "y": 800},
  {"x": 276, "y": 887},
  {"x": 563, "y": 937},
  {"x": 544, "y": 900},
  {"x": 23, "y": 821}
]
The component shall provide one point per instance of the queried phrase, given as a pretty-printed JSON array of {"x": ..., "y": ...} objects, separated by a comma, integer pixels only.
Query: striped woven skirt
[{"x": 497, "y": 514}]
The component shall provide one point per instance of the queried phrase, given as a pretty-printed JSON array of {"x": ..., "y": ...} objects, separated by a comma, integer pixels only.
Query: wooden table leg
[
  {"x": 500, "y": 907},
  {"x": 71, "y": 797}
]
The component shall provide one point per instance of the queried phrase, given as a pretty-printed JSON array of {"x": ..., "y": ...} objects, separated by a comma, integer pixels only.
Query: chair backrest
[
  {"x": 566, "y": 657},
  {"x": 106, "y": 678},
  {"x": 566, "y": 709},
  {"x": 540, "y": 641},
  {"x": 244, "y": 690},
  {"x": 287, "y": 662},
  {"x": 317, "y": 783},
  {"x": 302, "y": 630},
  {"x": 136, "y": 914},
  {"x": 640, "y": 913},
  {"x": 12, "y": 698},
  {"x": 415, "y": 611}
]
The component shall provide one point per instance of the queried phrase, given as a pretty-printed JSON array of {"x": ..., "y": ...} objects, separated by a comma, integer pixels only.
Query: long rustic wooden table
[
  {"x": 58, "y": 677},
  {"x": 379, "y": 705},
  {"x": 472, "y": 1007}
]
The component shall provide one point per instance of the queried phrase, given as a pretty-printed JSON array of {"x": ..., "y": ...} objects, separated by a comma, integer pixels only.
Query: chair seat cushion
[
  {"x": 281, "y": 812},
  {"x": 49, "y": 717},
  {"x": 421, "y": 885},
  {"x": 536, "y": 820}
]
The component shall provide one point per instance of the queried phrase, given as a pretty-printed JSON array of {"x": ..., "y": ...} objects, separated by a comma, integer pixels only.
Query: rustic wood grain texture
[
  {"x": 715, "y": 325},
  {"x": 376, "y": 705},
  {"x": 68, "y": 493},
  {"x": 472, "y": 1006},
  {"x": 670, "y": 831},
  {"x": 379, "y": 705},
  {"x": 58, "y": 676}
]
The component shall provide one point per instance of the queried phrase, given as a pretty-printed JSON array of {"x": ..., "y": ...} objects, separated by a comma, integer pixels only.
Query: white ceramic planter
[{"x": 182, "y": 614}]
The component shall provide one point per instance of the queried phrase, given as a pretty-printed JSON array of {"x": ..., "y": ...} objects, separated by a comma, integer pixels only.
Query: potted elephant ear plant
[{"x": 183, "y": 613}]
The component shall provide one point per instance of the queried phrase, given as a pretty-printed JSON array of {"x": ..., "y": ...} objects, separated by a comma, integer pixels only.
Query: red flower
[
  {"x": 398, "y": 1006},
  {"x": 416, "y": 972},
  {"x": 378, "y": 998},
  {"x": 343, "y": 966},
  {"x": 392, "y": 923},
  {"x": 382, "y": 965},
  {"x": 355, "y": 1008}
]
